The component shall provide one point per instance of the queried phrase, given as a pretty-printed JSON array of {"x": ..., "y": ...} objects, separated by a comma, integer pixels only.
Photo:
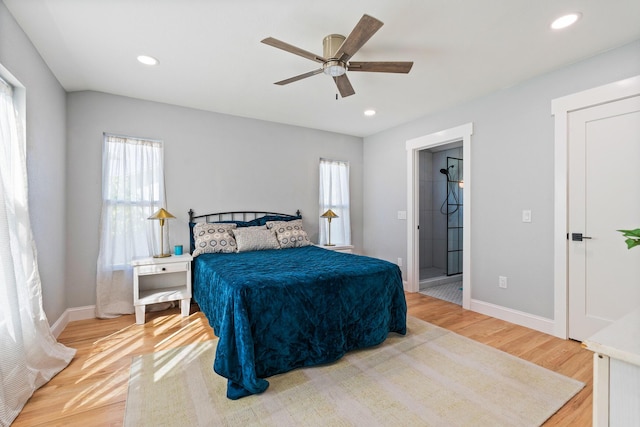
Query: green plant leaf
[
  {"x": 631, "y": 243},
  {"x": 633, "y": 237},
  {"x": 630, "y": 233}
]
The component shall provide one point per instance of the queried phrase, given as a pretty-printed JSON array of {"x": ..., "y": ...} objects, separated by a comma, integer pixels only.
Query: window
[
  {"x": 334, "y": 195},
  {"x": 132, "y": 190}
]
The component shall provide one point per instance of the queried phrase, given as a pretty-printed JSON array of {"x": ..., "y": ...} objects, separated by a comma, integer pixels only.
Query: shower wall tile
[
  {"x": 426, "y": 253},
  {"x": 440, "y": 253},
  {"x": 426, "y": 165},
  {"x": 428, "y": 193},
  {"x": 428, "y": 225},
  {"x": 433, "y": 224},
  {"x": 439, "y": 226}
]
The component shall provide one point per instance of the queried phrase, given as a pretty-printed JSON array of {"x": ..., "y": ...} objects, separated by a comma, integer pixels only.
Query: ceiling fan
[{"x": 337, "y": 50}]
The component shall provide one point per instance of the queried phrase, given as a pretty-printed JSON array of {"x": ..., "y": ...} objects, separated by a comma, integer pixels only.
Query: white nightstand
[
  {"x": 160, "y": 280},
  {"x": 338, "y": 248}
]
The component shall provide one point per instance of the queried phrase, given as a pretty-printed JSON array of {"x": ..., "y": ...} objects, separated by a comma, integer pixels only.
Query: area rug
[{"x": 430, "y": 377}]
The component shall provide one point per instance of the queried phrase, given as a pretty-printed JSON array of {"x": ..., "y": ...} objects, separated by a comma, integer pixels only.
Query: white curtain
[
  {"x": 29, "y": 354},
  {"x": 334, "y": 195},
  {"x": 132, "y": 190}
]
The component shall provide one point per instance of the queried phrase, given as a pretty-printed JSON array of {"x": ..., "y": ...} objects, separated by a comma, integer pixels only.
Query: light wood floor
[{"x": 92, "y": 390}]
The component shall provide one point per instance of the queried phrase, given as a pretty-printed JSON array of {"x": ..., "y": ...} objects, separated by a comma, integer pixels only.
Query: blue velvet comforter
[{"x": 278, "y": 310}]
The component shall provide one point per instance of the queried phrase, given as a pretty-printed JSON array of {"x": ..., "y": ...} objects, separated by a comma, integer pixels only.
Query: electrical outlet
[
  {"x": 399, "y": 262},
  {"x": 502, "y": 282}
]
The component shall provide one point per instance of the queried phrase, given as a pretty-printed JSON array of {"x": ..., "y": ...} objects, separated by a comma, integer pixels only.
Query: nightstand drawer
[{"x": 162, "y": 268}]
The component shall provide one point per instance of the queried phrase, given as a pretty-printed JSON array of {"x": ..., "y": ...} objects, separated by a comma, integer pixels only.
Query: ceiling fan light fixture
[{"x": 334, "y": 68}]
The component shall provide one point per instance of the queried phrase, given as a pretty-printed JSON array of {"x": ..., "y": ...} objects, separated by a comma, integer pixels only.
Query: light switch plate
[
  {"x": 402, "y": 214},
  {"x": 526, "y": 215}
]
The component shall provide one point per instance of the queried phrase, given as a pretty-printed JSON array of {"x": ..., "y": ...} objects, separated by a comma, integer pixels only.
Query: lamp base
[
  {"x": 162, "y": 256},
  {"x": 329, "y": 244}
]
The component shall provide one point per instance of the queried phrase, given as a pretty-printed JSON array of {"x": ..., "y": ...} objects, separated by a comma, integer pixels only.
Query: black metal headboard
[
  {"x": 237, "y": 215},
  {"x": 244, "y": 216}
]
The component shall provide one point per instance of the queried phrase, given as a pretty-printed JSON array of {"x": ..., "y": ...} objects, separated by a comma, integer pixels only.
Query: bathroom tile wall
[{"x": 433, "y": 193}]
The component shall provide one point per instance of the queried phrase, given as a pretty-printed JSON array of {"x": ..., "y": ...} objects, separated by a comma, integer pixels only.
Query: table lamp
[
  {"x": 329, "y": 215},
  {"x": 161, "y": 215}
]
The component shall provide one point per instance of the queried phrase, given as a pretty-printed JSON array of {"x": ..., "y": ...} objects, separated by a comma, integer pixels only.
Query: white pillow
[
  {"x": 290, "y": 234},
  {"x": 211, "y": 237},
  {"x": 255, "y": 239}
]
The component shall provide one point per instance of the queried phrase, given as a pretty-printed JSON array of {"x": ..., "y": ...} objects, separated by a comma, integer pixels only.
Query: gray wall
[
  {"x": 213, "y": 162},
  {"x": 512, "y": 169},
  {"x": 46, "y": 140}
]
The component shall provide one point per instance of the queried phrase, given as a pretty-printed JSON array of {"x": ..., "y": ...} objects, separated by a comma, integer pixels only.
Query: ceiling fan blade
[
  {"x": 344, "y": 86},
  {"x": 381, "y": 67},
  {"x": 300, "y": 77},
  {"x": 292, "y": 49},
  {"x": 364, "y": 29}
]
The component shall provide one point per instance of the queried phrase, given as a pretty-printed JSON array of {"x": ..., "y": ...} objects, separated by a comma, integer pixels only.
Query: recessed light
[
  {"x": 147, "y": 60},
  {"x": 566, "y": 21},
  {"x": 369, "y": 112}
]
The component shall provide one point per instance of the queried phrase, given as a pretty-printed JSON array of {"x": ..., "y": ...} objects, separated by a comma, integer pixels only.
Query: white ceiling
[{"x": 211, "y": 57}]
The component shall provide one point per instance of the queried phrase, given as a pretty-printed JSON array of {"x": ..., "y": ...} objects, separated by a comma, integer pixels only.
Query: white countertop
[{"x": 620, "y": 340}]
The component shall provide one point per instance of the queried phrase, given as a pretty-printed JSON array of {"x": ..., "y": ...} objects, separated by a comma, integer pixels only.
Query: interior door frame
[
  {"x": 414, "y": 146},
  {"x": 560, "y": 109}
]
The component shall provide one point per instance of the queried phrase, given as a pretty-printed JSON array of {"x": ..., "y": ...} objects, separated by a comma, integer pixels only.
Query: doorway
[
  {"x": 459, "y": 138},
  {"x": 569, "y": 250},
  {"x": 441, "y": 197}
]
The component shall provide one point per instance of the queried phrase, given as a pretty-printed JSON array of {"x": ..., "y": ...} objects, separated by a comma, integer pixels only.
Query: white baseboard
[
  {"x": 538, "y": 323},
  {"x": 70, "y": 315}
]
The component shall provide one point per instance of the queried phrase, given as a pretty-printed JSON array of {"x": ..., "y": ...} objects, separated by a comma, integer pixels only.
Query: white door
[{"x": 604, "y": 196}]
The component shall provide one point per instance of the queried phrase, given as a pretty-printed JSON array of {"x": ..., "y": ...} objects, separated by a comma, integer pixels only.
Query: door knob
[{"x": 578, "y": 237}]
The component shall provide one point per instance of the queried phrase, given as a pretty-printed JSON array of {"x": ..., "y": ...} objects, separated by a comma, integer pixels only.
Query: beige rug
[{"x": 430, "y": 377}]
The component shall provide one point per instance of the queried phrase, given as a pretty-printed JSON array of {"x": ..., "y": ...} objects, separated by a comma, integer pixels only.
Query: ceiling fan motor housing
[{"x": 330, "y": 45}]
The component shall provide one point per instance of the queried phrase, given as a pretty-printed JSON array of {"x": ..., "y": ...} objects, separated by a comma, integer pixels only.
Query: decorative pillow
[
  {"x": 255, "y": 239},
  {"x": 290, "y": 234},
  {"x": 211, "y": 237}
]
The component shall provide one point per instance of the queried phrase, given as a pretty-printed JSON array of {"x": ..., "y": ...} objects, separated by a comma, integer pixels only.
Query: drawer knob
[{"x": 164, "y": 269}]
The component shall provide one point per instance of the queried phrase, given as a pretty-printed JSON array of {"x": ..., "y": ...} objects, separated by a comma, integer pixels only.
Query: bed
[{"x": 277, "y": 309}]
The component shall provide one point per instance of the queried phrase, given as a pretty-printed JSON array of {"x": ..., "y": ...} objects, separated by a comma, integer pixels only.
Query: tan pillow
[{"x": 255, "y": 239}]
